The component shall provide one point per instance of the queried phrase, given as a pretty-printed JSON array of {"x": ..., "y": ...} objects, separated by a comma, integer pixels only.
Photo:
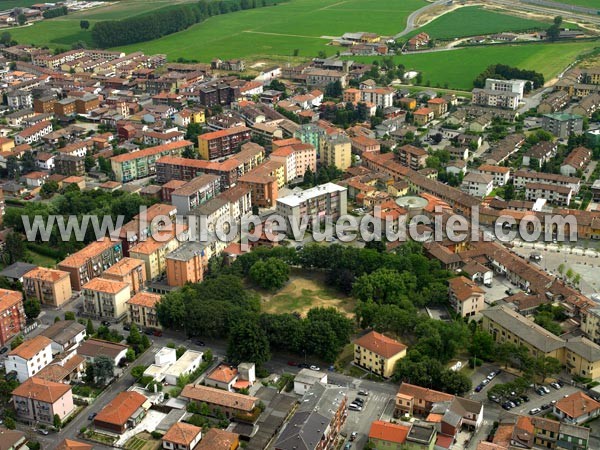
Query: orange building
[
  {"x": 351, "y": 95},
  {"x": 129, "y": 270},
  {"x": 65, "y": 107},
  {"x": 49, "y": 286},
  {"x": 264, "y": 189},
  {"x": 186, "y": 264},
  {"x": 12, "y": 314},
  {"x": 142, "y": 310}
]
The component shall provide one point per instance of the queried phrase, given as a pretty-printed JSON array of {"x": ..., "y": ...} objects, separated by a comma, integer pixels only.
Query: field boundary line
[{"x": 282, "y": 34}]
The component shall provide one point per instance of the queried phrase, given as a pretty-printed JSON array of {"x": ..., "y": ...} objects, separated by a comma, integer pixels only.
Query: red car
[
  {"x": 292, "y": 363},
  {"x": 157, "y": 333}
]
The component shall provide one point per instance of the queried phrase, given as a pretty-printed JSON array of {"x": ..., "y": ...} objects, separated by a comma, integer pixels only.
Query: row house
[
  {"x": 162, "y": 138},
  {"x": 16, "y": 118},
  {"x": 558, "y": 195},
  {"x": 554, "y": 102},
  {"x": 478, "y": 185},
  {"x": 576, "y": 161},
  {"x": 522, "y": 177},
  {"x": 540, "y": 152},
  {"x": 587, "y": 106},
  {"x": 33, "y": 134},
  {"x": 501, "y": 175}
]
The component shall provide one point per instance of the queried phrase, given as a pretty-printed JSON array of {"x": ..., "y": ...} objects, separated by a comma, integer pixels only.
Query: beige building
[
  {"x": 378, "y": 353},
  {"x": 336, "y": 150},
  {"x": 106, "y": 298},
  {"x": 582, "y": 357},
  {"x": 128, "y": 270},
  {"x": 466, "y": 297},
  {"x": 153, "y": 252},
  {"x": 51, "y": 287},
  {"x": 590, "y": 323},
  {"x": 142, "y": 310}
]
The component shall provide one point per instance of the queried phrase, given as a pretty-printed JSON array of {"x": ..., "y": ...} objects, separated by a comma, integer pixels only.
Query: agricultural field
[
  {"x": 302, "y": 293},
  {"x": 585, "y": 3},
  {"x": 9, "y": 4},
  {"x": 301, "y": 25},
  {"x": 473, "y": 21},
  {"x": 458, "y": 68}
]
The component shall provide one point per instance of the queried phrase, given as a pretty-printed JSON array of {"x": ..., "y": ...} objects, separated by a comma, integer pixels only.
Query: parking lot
[{"x": 377, "y": 406}]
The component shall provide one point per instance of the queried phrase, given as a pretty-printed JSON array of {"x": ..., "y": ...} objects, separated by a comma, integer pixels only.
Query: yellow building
[
  {"x": 336, "y": 150},
  {"x": 49, "y": 286},
  {"x": 378, "y": 353},
  {"x": 106, "y": 298},
  {"x": 582, "y": 357},
  {"x": 142, "y": 310},
  {"x": 6, "y": 144},
  {"x": 198, "y": 116},
  {"x": 153, "y": 251},
  {"x": 590, "y": 323}
]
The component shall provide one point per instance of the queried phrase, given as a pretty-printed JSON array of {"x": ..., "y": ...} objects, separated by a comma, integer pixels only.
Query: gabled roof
[
  {"x": 389, "y": 432},
  {"x": 380, "y": 344},
  {"x": 121, "y": 408},
  {"x": 577, "y": 405},
  {"x": 31, "y": 347},
  {"x": 69, "y": 444},
  {"x": 428, "y": 395}
]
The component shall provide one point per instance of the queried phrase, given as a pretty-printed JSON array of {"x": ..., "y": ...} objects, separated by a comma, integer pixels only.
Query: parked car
[
  {"x": 303, "y": 366},
  {"x": 524, "y": 398},
  {"x": 546, "y": 389},
  {"x": 491, "y": 376},
  {"x": 506, "y": 405},
  {"x": 560, "y": 383},
  {"x": 3, "y": 350},
  {"x": 44, "y": 432},
  {"x": 315, "y": 368},
  {"x": 540, "y": 391},
  {"x": 485, "y": 382},
  {"x": 292, "y": 363},
  {"x": 354, "y": 407},
  {"x": 157, "y": 333},
  {"x": 92, "y": 415},
  {"x": 148, "y": 332},
  {"x": 364, "y": 393},
  {"x": 546, "y": 406},
  {"x": 199, "y": 342},
  {"x": 534, "y": 411},
  {"x": 555, "y": 385},
  {"x": 106, "y": 323},
  {"x": 348, "y": 446},
  {"x": 478, "y": 388},
  {"x": 516, "y": 400},
  {"x": 359, "y": 401},
  {"x": 353, "y": 435}
]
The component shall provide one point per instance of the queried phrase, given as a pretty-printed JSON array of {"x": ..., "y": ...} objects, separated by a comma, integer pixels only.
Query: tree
[
  {"x": 248, "y": 342},
  {"x": 5, "y": 38},
  {"x": 21, "y": 19},
  {"x": 482, "y": 345},
  {"x": 334, "y": 89},
  {"x": 16, "y": 342},
  {"x": 561, "y": 268},
  {"x": 15, "y": 247},
  {"x": 13, "y": 168},
  {"x": 84, "y": 24},
  {"x": 10, "y": 423},
  {"x": 57, "y": 422},
  {"x": 28, "y": 162},
  {"x": 138, "y": 371},
  {"x": 89, "y": 162},
  {"x": 545, "y": 366},
  {"x": 48, "y": 189},
  {"x": 103, "y": 369},
  {"x": 145, "y": 342},
  {"x": 32, "y": 308},
  {"x": 130, "y": 355},
  {"x": 270, "y": 274},
  {"x": 69, "y": 315},
  {"x": 309, "y": 178},
  {"x": 135, "y": 338},
  {"x": 89, "y": 329}
]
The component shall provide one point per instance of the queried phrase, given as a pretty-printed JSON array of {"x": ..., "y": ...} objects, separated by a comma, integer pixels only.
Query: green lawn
[
  {"x": 458, "y": 68},
  {"x": 41, "y": 260},
  {"x": 473, "y": 21},
  {"x": 276, "y": 30},
  {"x": 8, "y": 4}
]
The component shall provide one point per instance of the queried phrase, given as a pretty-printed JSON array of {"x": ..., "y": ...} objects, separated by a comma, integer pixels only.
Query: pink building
[{"x": 38, "y": 400}]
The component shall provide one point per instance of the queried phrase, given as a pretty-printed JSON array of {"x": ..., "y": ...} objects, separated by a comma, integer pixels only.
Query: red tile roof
[
  {"x": 390, "y": 432},
  {"x": 380, "y": 344},
  {"x": 121, "y": 408}
]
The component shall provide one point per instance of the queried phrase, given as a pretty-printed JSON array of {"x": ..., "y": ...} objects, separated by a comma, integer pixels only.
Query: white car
[
  {"x": 315, "y": 368},
  {"x": 354, "y": 407}
]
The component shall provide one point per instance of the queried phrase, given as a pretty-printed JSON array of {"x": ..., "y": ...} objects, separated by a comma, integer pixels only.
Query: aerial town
[{"x": 150, "y": 297}]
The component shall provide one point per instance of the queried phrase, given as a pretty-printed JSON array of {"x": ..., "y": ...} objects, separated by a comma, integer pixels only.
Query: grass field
[
  {"x": 303, "y": 293},
  {"x": 9, "y": 4},
  {"x": 458, "y": 68},
  {"x": 277, "y": 30},
  {"x": 473, "y": 21},
  {"x": 41, "y": 260}
]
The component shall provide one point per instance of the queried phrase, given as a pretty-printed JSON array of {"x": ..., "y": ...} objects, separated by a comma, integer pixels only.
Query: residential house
[
  {"x": 559, "y": 195},
  {"x": 66, "y": 335},
  {"x": 230, "y": 403},
  {"x": 306, "y": 378},
  {"x": 577, "y": 408},
  {"x": 423, "y": 116},
  {"x": 577, "y": 160},
  {"x": 217, "y": 439},
  {"x": 92, "y": 348},
  {"x": 142, "y": 310},
  {"x": 386, "y": 435},
  {"x": 34, "y": 133},
  {"x": 501, "y": 174},
  {"x": 477, "y": 184},
  {"x": 69, "y": 444},
  {"x": 29, "y": 358},
  {"x": 124, "y": 412},
  {"x": 438, "y": 105},
  {"x": 182, "y": 436},
  {"x": 539, "y": 153},
  {"x": 378, "y": 353},
  {"x": 49, "y": 286},
  {"x": 39, "y": 401},
  {"x": 466, "y": 297}
]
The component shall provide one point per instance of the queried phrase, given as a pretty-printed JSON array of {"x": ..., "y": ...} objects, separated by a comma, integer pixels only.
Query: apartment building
[
  {"x": 496, "y": 99},
  {"x": 196, "y": 192},
  {"x": 326, "y": 200},
  {"x": 68, "y": 165},
  {"x": 186, "y": 264},
  {"x": 466, "y": 298},
  {"x": 562, "y": 125},
  {"x": 297, "y": 159},
  {"x": 140, "y": 164},
  {"x": 106, "y": 299},
  {"x": 477, "y": 184},
  {"x": 30, "y": 357},
  {"x": 438, "y": 105},
  {"x": 413, "y": 157},
  {"x": 264, "y": 188},
  {"x": 582, "y": 357},
  {"x": 423, "y": 116},
  {"x": 514, "y": 86},
  {"x": 590, "y": 323},
  {"x": 221, "y": 143},
  {"x": 38, "y": 401},
  {"x": 558, "y": 195},
  {"x": 128, "y": 270},
  {"x": 34, "y": 133},
  {"x": 501, "y": 174},
  {"x": 153, "y": 252},
  {"x": 240, "y": 201},
  {"x": 378, "y": 353},
  {"x": 12, "y": 314},
  {"x": 522, "y": 177},
  {"x": 51, "y": 287},
  {"x": 380, "y": 97},
  {"x": 336, "y": 150},
  {"x": 142, "y": 310},
  {"x": 91, "y": 261}
]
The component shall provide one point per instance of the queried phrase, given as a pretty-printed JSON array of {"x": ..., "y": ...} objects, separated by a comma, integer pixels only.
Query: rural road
[{"x": 410, "y": 22}]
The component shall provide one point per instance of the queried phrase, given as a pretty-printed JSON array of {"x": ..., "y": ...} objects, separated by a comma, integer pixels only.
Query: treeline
[
  {"x": 146, "y": 27},
  {"x": 55, "y": 12},
  {"x": 504, "y": 72}
]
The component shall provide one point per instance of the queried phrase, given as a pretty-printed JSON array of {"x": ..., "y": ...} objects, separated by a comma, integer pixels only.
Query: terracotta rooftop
[
  {"x": 576, "y": 405},
  {"x": 380, "y": 344},
  {"x": 151, "y": 151},
  {"x": 222, "y": 133},
  {"x": 121, "y": 408},
  {"x": 9, "y": 298},
  {"x": 105, "y": 285},
  {"x": 124, "y": 266},
  {"x": 390, "y": 432},
  {"x": 42, "y": 390},
  {"x": 94, "y": 347},
  {"x": 463, "y": 288},
  {"x": 145, "y": 299},
  {"x": 31, "y": 347},
  {"x": 182, "y": 433},
  {"x": 216, "y": 439},
  {"x": 94, "y": 249},
  {"x": 428, "y": 395},
  {"x": 223, "y": 373},
  {"x": 219, "y": 397},
  {"x": 57, "y": 373},
  {"x": 69, "y": 444},
  {"x": 43, "y": 274}
]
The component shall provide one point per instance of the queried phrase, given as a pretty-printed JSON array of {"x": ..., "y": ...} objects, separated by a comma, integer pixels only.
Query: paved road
[{"x": 410, "y": 22}]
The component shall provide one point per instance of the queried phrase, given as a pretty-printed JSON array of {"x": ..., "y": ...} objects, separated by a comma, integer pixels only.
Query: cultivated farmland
[{"x": 474, "y": 20}]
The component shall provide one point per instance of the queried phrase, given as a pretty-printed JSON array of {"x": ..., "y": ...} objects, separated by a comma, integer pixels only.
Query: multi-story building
[
  {"x": 140, "y": 164},
  {"x": 240, "y": 201},
  {"x": 297, "y": 158},
  {"x": 264, "y": 188},
  {"x": 523, "y": 177},
  {"x": 51, "y": 287},
  {"x": 128, "y": 270},
  {"x": 230, "y": 403},
  {"x": 12, "y": 314},
  {"x": 196, "y": 192},
  {"x": 39, "y": 401},
  {"x": 310, "y": 133},
  {"x": 322, "y": 404},
  {"x": 336, "y": 150},
  {"x": 182, "y": 436},
  {"x": 582, "y": 357},
  {"x": 477, "y": 184},
  {"x": 142, "y": 310},
  {"x": 423, "y": 116},
  {"x": 380, "y": 97},
  {"x": 438, "y": 105},
  {"x": 34, "y": 133},
  {"x": 575, "y": 161},
  {"x": 466, "y": 298},
  {"x": 326, "y": 200},
  {"x": 186, "y": 264},
  {"x": 30, "y": 357},
  {"x": 218, "y": 144},
  {"x": 590, "y": 323},
  {"x": 153, "y": 252},
  {"x": 65, "y": 108},
  {"x": 105, "y": 298},
  {"x": 68, "y": 165},
  {"x": 86, "y": 103},
  {"x": 501, "y": 174},
  {"x": 413, "y": 157},
  {"x": 554, "y": 102},
  {"x": 559, "y": 195},
  {"x": 91, "y": 261},
  {"x": 497, "y": 99},
  {"x": 562, "y": 125},
  {"x": 378, "y": 353}
]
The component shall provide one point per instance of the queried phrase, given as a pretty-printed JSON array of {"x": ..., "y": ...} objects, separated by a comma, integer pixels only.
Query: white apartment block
[
  {"x": 559, "y": 195},
  {"x": 34, "y": 133},
  {"x": 513, "y": 86},
  {"x": 30, "y": 357},
  {"x": 477, "y": 184},
  {"x": 380, "y": 97}
]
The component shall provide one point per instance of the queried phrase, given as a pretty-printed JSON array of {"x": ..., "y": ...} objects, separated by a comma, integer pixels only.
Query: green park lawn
[
  {"x": 473, "y": 21},
  {"x": 458, "y": 68}
]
